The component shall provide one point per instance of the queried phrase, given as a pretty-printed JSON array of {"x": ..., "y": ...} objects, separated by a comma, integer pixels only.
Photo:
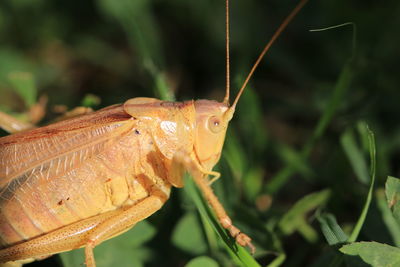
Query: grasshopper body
[
  {"x": 81, "y": 181},
  {"x": 60, "y": 182}
]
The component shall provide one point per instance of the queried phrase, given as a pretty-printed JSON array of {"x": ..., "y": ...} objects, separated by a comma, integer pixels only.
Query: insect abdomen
[{"x": 128, "y": 170}]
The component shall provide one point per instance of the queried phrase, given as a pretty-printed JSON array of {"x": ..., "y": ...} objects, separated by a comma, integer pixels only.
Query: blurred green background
[{"x": 298, "y": 133}]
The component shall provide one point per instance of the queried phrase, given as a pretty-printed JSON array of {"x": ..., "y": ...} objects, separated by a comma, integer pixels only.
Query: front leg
[{"x": 199, "y": 176}]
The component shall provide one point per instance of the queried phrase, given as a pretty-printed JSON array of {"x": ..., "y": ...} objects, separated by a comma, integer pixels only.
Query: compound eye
[{"x": 215, "y": 124}]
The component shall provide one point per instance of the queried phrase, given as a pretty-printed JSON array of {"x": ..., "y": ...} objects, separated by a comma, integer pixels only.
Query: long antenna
[
  {"x": 227, "y": 90},
  {"x": 266, "y": 48}
]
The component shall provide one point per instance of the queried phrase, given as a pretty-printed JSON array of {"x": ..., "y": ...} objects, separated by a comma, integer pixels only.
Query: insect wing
[{"x": 57, "y": 148}]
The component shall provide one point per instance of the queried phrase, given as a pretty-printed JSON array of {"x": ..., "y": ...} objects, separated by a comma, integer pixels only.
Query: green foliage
[
  {"x": 188, "y": 226},
  {"x": 376, "y": 254},
  {"x": 393, "y": 195},
  {"x": 372, "y": 153},
  {"x": 296, "y": 217},
  {"x": 239, "y": 254},
  {"x": 355, "y": 156},
  {"x": 24, "y": 85},
  {"x": 202, "y": 262},
  {"x": 331, "y": 229},
  {"x": 387, "y": 216},
  {"x": 90, "y": 100},
  {"x": 295, "y": 171}
]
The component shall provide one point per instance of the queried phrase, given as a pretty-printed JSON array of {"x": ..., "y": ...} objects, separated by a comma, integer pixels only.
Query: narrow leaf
[
  {"x": 342, "y": 84},
  {"x": 355, "y": 156},
  {"x": 238, "y": 253},
  {"x": 364, "y": 212},
  {"x": 331, "y": 229}
]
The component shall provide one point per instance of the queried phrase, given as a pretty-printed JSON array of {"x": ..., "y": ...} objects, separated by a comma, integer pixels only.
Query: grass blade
[
  {"x": 342, "y": 85},
  {"x": 355, "y": 156},
  {"x": 238, "y": 253},
  {"x": 361, "y": 220}
]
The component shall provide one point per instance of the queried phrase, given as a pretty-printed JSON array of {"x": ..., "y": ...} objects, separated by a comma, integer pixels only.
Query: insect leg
[
  {"x": 75, "y": 112},
  {"x": 19, "y": 263},
  {"x": 121, "y": 222},
  {"x": 89, "y": 232},
  {"x": 181, "y": 162},
  {"x": 63, "y": 239},
  {"x": 216, "y": 175},
  {"x": 13, "y": 125},
  {"x": 204, "y": 185},
  {"x": 226, "y": 222},
  {"x": 35, "y": 113}
]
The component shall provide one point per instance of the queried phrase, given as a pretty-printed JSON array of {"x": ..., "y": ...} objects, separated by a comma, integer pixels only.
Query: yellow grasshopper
[{"x": 83, "y": 180}]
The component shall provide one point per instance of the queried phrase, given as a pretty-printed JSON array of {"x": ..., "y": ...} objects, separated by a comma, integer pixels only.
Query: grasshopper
[{"x": 83, "y": 180}]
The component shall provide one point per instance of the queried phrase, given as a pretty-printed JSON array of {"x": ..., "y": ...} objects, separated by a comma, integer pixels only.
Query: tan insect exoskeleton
[{"x": 81, "y": 181}]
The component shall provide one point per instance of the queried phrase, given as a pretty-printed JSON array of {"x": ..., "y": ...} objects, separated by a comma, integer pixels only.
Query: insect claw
[
  {"x": 241, "y": 238},
  {"x": 252, "y": 248},
  {"x": 245, "y": 241},
  {"x": 216, "y": 175}
]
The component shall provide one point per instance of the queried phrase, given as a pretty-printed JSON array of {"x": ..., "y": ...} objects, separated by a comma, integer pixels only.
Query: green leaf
[
  {"x": 391, "y": 223},
  {"x": 331, "y": 229},
  {"x": 374, "y": 253},
  {"x": 189, "y": 226},
  {"x": 355, "y": 156},
  {"x": 360, "y": 222},
  {"x": 249, "y": 118},
  {"x": 295, "y": 159},
  {"x": 202, "y": 261},
  {"x": 295, "y": 218},
  {"x": 252, "y": 182},
  {"x": 161, "y": 87},
  {"x": 278, "y": 261},
  {"x": 12, "y": 61},
  {"x": 393, "y": 195},
  {"x": 123, "y": 250},
  {"x": 24, "y": 85},
  {"x": 234, "y": 154},
  {"x": 392, "y": 188},
  {"x": 90, "y": 100}
]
